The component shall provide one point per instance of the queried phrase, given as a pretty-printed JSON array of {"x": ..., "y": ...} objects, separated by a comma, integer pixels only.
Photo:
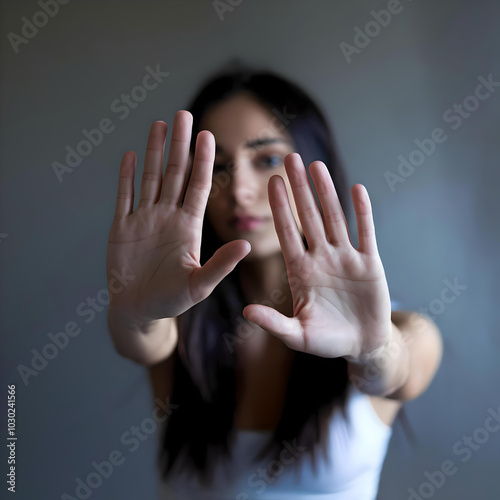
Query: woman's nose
[{"x": 243, "y": 185}]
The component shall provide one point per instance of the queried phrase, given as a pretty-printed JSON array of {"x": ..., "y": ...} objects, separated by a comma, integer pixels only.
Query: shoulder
[{"x": 386, "y": 409}]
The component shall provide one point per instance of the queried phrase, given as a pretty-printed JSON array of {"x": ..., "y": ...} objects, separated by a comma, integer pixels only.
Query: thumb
[
  {"x": 222, "y": 262},
  {"x": 289, "y": 330}
]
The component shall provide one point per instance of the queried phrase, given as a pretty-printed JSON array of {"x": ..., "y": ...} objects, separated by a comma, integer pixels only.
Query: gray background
[{"x": 441, "y": 223}]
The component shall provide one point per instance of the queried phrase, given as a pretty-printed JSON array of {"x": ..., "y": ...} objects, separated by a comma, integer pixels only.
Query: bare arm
[
  {"x": 406, "y": 366},
  {"x": 144, "y": 342}
]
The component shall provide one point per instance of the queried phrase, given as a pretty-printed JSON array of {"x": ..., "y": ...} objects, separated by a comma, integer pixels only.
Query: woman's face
[{"x": 251, "y": 143}]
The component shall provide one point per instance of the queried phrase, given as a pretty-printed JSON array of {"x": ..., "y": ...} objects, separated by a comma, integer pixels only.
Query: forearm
[{"x": 146, "y": 342}]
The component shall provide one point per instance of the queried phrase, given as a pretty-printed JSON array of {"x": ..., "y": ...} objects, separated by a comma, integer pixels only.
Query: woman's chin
[{"x": 259, "y": 252}]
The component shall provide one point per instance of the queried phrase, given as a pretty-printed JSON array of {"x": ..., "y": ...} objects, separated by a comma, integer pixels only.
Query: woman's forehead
[{"x": 242, "y": 122}]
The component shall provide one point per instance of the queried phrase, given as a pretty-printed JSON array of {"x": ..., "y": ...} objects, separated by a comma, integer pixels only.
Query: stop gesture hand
[{"x": 341, "y": 302}]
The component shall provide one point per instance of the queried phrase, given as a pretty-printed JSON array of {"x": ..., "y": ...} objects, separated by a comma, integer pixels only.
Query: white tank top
[{"x": 351, "y": 472}]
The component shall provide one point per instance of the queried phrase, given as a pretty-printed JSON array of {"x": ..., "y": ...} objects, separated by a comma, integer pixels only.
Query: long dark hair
[{"x": 205, "y": 365}]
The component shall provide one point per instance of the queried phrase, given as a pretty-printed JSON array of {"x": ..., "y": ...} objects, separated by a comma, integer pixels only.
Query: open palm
[
  {"x": 341, "y": 302},
  {"x": 159, "y": 243}
]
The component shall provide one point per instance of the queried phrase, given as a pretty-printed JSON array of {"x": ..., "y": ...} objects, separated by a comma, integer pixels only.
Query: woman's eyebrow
[{"x": 256, "y": 143}]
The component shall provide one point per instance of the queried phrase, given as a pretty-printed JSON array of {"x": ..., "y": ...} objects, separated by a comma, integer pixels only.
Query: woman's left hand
[{"x": 341, "y": 302}]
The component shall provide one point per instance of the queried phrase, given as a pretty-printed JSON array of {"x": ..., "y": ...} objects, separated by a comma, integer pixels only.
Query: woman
[{"x": 268, "y": 332}]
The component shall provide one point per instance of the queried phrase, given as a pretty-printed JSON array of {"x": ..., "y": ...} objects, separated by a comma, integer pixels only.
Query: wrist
[
  {"x": 384, "y": 370},
  {"x": 129, "y": 317},
  {"x": 369, "y": 357}
]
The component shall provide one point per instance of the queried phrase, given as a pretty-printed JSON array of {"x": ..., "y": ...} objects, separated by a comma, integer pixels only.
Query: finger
[
  {"x": 125, "y": 196},
  {"x": 289, "y": 330},
  {"x": 176, "y": 172},
  {"x": 200, "y": 181},
  {"x": 307, "y": 209},
  {"x": 152, "y": 176},
  {"x": 335, "y": 222},
  {"x": 364, "y": 219},
  {"x": 222, "y": 262},
  {"x": 288, "y": 233}
]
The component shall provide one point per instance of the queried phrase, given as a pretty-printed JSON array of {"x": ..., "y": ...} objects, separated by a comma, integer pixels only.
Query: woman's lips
[{"x": 247, "y": 223}]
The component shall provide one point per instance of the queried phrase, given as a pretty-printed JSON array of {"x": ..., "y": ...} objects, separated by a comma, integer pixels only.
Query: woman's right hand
[{"x": 159, "y": 243}]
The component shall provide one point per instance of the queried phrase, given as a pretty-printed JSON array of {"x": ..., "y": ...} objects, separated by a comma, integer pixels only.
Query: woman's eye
[{"x": 270, "y": 161}]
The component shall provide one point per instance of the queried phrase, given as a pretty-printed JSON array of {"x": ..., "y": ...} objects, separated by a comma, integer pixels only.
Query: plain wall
[{"x": 439, "y": 224}]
